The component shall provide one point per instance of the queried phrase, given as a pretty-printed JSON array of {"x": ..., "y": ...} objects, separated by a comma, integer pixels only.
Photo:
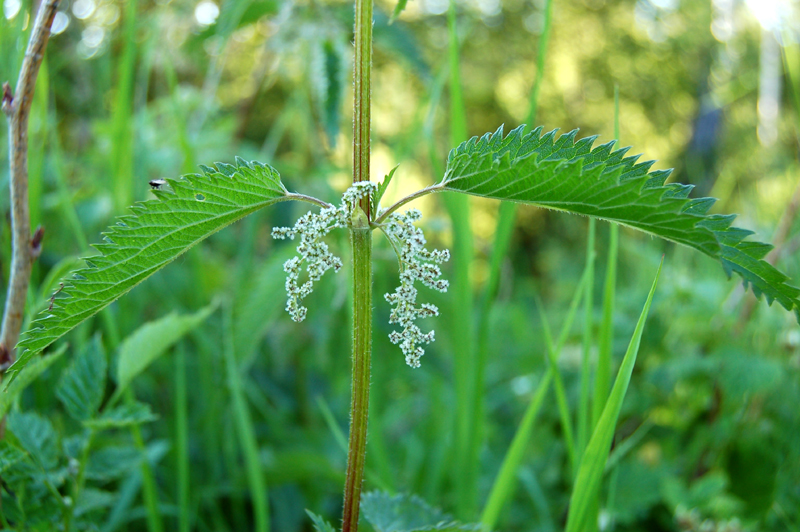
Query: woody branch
[{"x": 25, "y": 248}]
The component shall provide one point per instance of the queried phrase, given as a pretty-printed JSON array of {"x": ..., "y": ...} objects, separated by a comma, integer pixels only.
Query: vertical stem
[
  {"x": 24, "y": 248},
  {"x": 362, "y": 352},
  {"x": 362, "y": 270},
  {"x": 361, "y": 93}
]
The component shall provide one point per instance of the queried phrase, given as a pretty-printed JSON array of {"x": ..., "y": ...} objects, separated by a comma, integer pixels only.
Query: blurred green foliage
[{"x": 142, "y": 90}]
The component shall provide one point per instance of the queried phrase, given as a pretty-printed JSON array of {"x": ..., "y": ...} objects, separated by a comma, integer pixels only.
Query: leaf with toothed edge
[
  {"x": 194, "y": 207},
  {"x": 571, "y": 175}
]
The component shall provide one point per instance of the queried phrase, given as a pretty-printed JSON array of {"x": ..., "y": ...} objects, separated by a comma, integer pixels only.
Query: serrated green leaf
[
  {"x": 122, "y": 416},
  {"x": 157, "y": 232},
  {"x": 571, "y": 175},
  {"x": 382, "y": 186},
  {"x": 406, "y": 513},
  {"x": 320, "y": 525},
  {"x": 151, "y": 340},
  {"x": 31, "y": 373},
  {"x": 36, "y": 436},
  {"x": 593, "y": 463},
  {"x": 84, "y": 382},
  {"x": 9, "y": 455}
]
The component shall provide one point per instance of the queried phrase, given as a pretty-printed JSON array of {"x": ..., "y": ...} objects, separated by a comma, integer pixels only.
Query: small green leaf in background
[
  {"x": 110, "y": 463},
  {"x": 151, "y": 340},
  {"x": 327, "y": 79},
  {"x": 9, "y": 455},
  {"x": 31, "y": 373},
  {"x": 94, "y": 499},
  {"x": 593, "y": 463},
  {"x": 83, "y": 383},
  {"x": 320, "y": 525},
  {"x": 36, "y": 436},
  {"x": 122, "y": 416},
  {"x": 406, "y": 513}
]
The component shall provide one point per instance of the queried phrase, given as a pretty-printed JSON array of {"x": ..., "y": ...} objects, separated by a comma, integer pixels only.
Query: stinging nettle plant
[{"x": 536, "y": 168}]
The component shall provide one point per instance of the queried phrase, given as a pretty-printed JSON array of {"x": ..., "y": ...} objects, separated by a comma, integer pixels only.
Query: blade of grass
[
  {"x": 505, "y": 227},
  {"x": 505, "y": 481},
  {"x": 122, "y": 122},
  {"x": 245, "y": 430},
  {"x": 468, "y": 393},
  {"x": 590, "y": 473},
  {"x": 506, "y": 478},
  {"x": 588, "y": 304},
  {"x": 552, "y": 356},
  {"x": 602, "y": 377},
  {"x": 182, "y": 440},
  {"x": 535, "y": 492}
]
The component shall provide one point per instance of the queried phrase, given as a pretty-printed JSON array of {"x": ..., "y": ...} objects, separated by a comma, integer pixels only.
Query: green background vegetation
[{"x": 139, "y": 90}]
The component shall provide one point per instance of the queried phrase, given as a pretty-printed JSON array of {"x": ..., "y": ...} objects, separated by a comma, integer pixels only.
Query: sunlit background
[{"x": 140, "y": 90}]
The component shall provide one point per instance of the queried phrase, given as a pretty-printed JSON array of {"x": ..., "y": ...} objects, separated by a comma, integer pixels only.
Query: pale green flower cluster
[
  {"x": 416, "y": 264},
  {"x": 312, "y": 251}
]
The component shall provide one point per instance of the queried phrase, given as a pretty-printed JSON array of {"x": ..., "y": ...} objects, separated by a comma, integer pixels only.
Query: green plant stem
[
  {"x": 361, "y": 237},
  {"x": 361, "y": 94}
]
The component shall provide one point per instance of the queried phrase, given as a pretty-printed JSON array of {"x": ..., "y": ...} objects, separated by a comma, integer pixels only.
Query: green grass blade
[
  {"x": 505, "y": 481},
  {"x": 590, "y": 473},
  {"x": 182, "y": 440},
  {"x": 159, "y": 231},
  {"x": 469, "y": 392},
  {"x": 588, "y": 304},
  {"x": 245, "y": 430},
  {"x": 122, "y": 164},
  {"x": 602, "y": 377},
  {"x": 553, "y": 351}
]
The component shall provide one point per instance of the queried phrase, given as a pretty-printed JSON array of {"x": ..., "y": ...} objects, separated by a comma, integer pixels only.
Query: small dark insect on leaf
[
  {"x": 157, "y": 183},
  {"x": 53, "y": 298}
]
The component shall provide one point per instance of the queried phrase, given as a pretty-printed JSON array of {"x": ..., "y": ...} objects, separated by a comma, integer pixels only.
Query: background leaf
[
  {"x": 36, "y": 436},
  {"x": 151, "y": 340},
  {"x": 405, "y": 513},
  {"x": 123, "y": 416},
  {"x": 31, "y": 373},
  {"x": 83, "y": 383}
]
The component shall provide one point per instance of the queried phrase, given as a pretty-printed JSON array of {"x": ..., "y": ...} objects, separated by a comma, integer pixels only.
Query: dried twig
[{"x": 24, "y": 248}]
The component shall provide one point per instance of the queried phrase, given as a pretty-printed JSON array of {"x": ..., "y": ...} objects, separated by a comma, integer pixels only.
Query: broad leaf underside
[
  {"x": 186, "y": 211},
  {"x": 564, "y": 174}
]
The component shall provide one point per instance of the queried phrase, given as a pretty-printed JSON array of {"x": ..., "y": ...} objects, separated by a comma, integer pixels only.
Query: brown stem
[{"x": 24, "y": 248}]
